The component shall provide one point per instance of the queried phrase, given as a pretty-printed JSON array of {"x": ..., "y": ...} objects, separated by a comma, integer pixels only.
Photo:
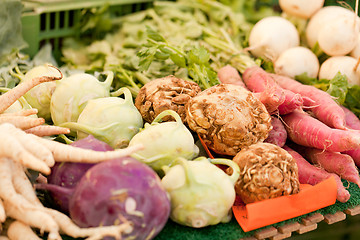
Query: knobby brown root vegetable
[
  {"x": 168, "y": 93},
  {"x": 228, "y": 117},
  {"x": 47, "y": 130},
  {"x": 266, "y": 171},
  {"x": 22, "y": 122},
  {"x": 19, "y": 231},
  {"x": 8, "y": 98}
]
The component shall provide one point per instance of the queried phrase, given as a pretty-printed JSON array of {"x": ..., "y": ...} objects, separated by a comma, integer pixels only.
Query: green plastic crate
[{"x": 49, "y": 21}]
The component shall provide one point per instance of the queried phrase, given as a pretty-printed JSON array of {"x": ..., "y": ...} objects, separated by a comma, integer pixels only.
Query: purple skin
[
  {"x": 64, "y": 176},
  {"x": 101, "y": 194}
]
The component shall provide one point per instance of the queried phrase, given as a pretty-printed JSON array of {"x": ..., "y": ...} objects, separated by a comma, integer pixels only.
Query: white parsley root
[{"x": 20, "y": 231}]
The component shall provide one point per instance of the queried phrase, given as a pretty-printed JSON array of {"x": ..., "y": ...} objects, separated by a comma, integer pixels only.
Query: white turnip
[
  {"x": 295, "y": 61},
  {"x": 303, "y": 9},
  {"x": 271, "y": 36},
  {"x": 321, "y": 18},
  {"x": 344, "y": 64}
]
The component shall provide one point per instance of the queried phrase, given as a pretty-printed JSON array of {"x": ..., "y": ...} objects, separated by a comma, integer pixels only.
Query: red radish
[
  {"x": 308, "y": 131},
  {"x": 334, "y": 162},
  {"x": 258, "y": 80},
  {"x": 271, "y": 98},
  {"x": 309, "y": 174},
  {"x": 320, "y": 103},
  {"x": 230, "y": 75},
  {"x": 353, "y": 122},
  {"x": 278, "y": 134}
]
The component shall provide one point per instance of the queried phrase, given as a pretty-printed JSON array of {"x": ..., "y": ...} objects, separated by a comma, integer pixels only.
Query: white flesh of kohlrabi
[
  {"x": 72, "y": 93},
  {"x": 295, "y": 61},
  {"x": 201, "y": 193},
  {"x": 321, "y": 18},
  {"x": 344, "y": 64},
  {"x": 271, "y": 36},
  {"x": 164, "y": 142},
  {"x": 113, "y": 120},
  {"x": 303, "y": 9}
]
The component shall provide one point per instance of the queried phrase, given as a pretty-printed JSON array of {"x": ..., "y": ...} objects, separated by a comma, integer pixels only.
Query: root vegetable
[
  {"x": 19, "y": 231},
  {"x": 320, "y": 18},
  {"x": 333, "y": 162},
  {"x": 228, "y": 117},
  {"x": 303, "y": 9},
  {"x": 271, "y": 97},
  {"x": 309, "y": 174},
  {"x": 15, "y": 93},
  {"x": 118, "y": 191},
  {"x": 23, "y": 112},
  {"x": 271, "y": 36},
  {"x": 258, "y": 80},
  {"x": 278, "y": 134},
  {"x": 306, "y": 130},
  {"x": 47, "y": 130},
  {"x": 352, "y": 122},
  {"x": 295, "y": 61},
  {"x": 114, "y": 120},
  {"x": 319, "y": 102},
  {"x": 39, "y": 96},
  {"x": 164, "y": 142},
  {"x": 344, "y": 64},
  {"x": 22, "y": 122},
  {"x": 230, "y": 75},
  {"x": 72, "y": 93},
  {"x": 266, "y": 171},
  {"x": 201, "y": 193},
  {"x": 168, "y": 93},
  {"x": 2, "y": 212}
]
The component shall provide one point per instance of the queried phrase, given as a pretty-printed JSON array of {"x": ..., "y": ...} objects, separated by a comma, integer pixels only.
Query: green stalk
[{"x": 236, "y": 170}]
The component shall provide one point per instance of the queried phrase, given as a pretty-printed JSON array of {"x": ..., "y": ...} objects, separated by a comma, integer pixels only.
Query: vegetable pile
[{"x": 174, "y": 113}]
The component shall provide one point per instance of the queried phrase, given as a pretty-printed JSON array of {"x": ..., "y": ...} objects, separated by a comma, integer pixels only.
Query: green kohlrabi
[
  {"x": 164, "y": 142},
  {"x": 113, "y": 120},
  {"x": 201, "y": 193},
  {"x": 72, "y": 94},
  {"x": 39, "y": 97}
]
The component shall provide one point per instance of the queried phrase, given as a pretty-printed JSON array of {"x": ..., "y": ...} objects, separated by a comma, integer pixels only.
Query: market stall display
[{"x": 235, "y": 141}]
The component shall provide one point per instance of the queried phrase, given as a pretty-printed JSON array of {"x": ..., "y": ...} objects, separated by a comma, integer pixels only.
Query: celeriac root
[{"x": 20, "y": 231}]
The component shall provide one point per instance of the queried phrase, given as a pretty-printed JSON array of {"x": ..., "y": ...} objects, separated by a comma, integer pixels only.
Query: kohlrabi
[
  {"x": 39, "y": 97},
  {"x": 164, "y": 142},
  {"x": 72, "y": 94},
  {"x": 113, "y": 120},
  {"x": 201, "y": 193}
]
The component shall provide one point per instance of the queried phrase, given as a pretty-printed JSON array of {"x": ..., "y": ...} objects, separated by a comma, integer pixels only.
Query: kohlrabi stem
[
  {"x": 109, "y": 79},
  {"x": 223, "y": 161},
  {"x": 189, "y": 176},
  {"x": 142, "y": 78},
  {"x": 95, "y": 131},
  {"x": 166, "y": 113},
  {"x": 127, "y": 94}
]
